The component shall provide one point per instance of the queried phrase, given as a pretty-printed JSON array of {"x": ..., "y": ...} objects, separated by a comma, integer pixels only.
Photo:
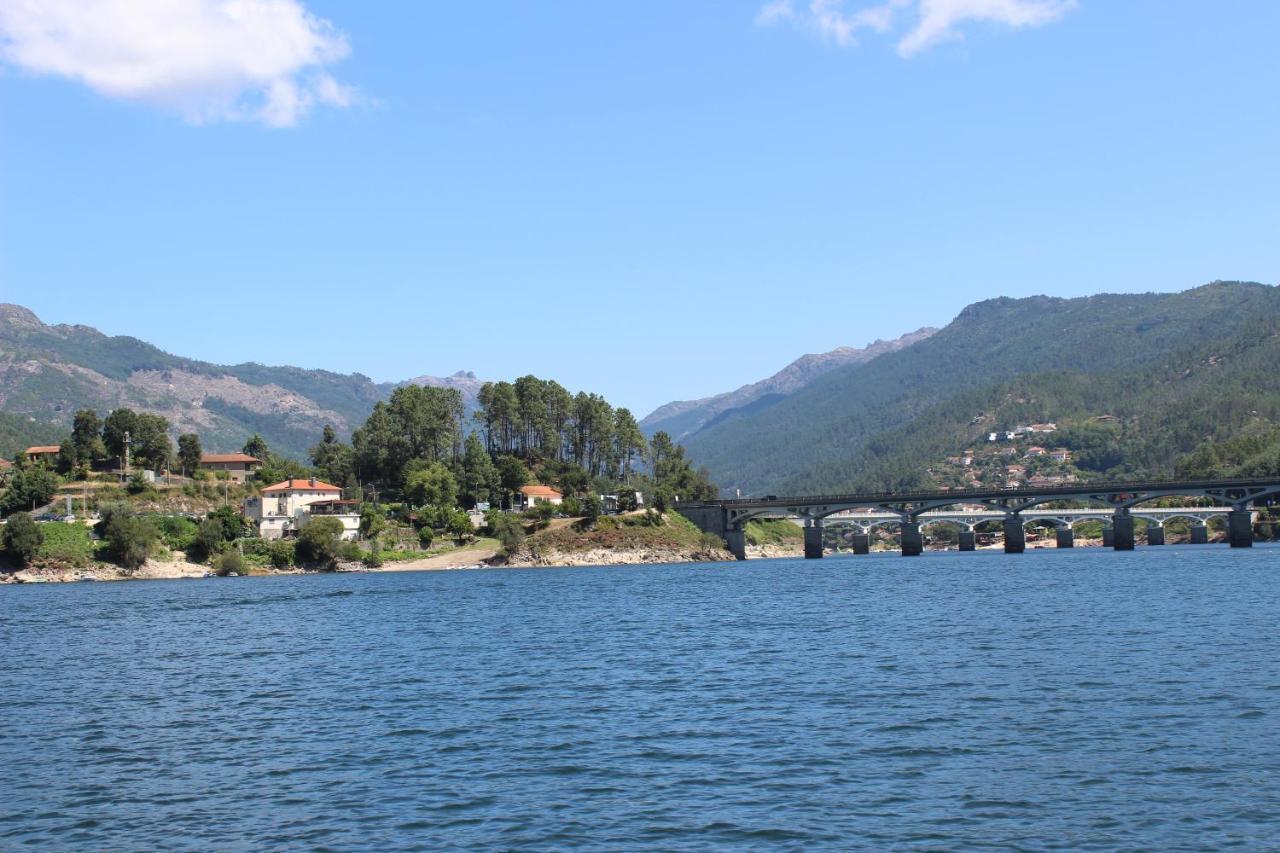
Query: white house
[
  {"x": 530, "y": 496},
  {"x": 285, "y": 508}
]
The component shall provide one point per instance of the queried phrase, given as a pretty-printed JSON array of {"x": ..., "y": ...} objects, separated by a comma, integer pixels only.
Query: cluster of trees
[
  {"x": 416, "y": 447},
  {"x": 143, "y": 436},
  {"x": 538, "y": 417}
]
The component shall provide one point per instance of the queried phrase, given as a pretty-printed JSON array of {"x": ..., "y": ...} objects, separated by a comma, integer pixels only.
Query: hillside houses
[
  {"x": 286, "y": 507},
  {"x": 238, "y": 466}
]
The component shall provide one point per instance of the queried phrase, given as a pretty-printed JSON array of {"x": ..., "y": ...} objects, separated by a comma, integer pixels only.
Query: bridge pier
[
  {"x": 736, "y": 540},
  {"x": 1015, "y": 535},
  {"x": 1240, "y": 528},
  {"x": 1155, "y": 534},
  {"x": 1066, "y": 537},
  {"x": 813, "y": 539},
  {"x": 1123, "y": 526},
  {"x": 861, "y": 543},
  {"x": 968, "y": 540},
  {"x": 912, "y": 541},
  {"x": 1108, "y": 536},
  {"x": 1200, "y": 534}
]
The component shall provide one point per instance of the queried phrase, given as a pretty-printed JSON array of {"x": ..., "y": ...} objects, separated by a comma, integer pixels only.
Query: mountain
[
  {"x": 1146, "y": 384},
  {"x": 683, "y": 418},
  {"x": 48, "y": 372}
]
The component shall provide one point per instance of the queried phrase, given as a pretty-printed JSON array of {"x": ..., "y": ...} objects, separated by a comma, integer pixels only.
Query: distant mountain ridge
[
  {"x": 685, "y": 417},
  {"x": 1180, "y": 377},
  {"x": 48, "y": 372}
]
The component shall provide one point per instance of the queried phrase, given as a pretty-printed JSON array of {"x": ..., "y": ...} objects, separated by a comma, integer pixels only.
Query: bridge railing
[{"x": 959, "y": 495}]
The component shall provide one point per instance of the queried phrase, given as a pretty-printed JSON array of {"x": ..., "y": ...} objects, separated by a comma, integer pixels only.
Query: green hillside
[
  {"x": 18, "y": 432},
  {"x": 48, "y": 372},
  {"x": 1181, "y": 381}
]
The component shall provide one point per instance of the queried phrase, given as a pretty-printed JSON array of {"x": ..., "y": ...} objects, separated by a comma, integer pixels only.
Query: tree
[
  {"x": 512, "y": 474},
  {"x": 479, "y": 475},
  {"x": 417, "y": 423},
  {"x": 86, "y": 436},
  {"x": 29, "y": 488},
  {"x": 256, "y": 447},
  {"x": 151, "y": 445},
  {"x": 372, "y": 522},
  {"x": 333, "y": 460},
  {"x": 119, "y": 423},
  {"x": 592, "y": 507},
  {"x": 318, "y": 542},
  {"x": 22, "y": 537},
  {"x": 674, "y": 477},
  {"x": 68, "y": 458},
  {"x": 189, "y": 452},
  {"x": 629, "y": 442},
  {"x": 432, "y": 486}
]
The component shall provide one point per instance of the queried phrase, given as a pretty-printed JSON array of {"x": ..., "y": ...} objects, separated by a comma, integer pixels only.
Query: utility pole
[{"x": 126, "y": 454}]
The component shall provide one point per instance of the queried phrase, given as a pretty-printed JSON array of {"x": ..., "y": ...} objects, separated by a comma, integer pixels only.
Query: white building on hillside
[{"x": 285, "y": 508}]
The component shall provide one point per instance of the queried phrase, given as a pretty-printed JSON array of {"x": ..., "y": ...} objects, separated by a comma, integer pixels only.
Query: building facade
[
  {"x": 239, "y": 466},
  {"x": 285, "y": 508}
]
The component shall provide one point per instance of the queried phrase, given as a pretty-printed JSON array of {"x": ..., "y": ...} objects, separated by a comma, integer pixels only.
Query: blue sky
[{"x": 653, "y": 200}]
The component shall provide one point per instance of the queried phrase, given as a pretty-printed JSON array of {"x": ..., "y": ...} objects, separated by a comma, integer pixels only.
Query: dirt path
[{"x": 463, "y": 557}]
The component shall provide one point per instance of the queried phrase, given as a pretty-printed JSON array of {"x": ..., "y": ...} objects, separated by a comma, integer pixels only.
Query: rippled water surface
[{"x": 1075, "y": 699}]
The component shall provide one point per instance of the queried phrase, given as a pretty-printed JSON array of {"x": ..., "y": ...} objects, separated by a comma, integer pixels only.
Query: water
[{"x": 1081, "y": 699}]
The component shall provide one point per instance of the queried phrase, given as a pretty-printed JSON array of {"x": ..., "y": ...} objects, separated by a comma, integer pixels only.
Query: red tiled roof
[
  {"x": 215, "y": 458},
  {"x": 302, "y": 485},
  {"x": 5, "y": 463},
  {"x": 44, "y": 448},
  {"x": 540, "y": 492}
]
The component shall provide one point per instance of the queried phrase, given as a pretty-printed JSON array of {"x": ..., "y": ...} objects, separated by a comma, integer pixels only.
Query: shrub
[
  {"x": 507, "y": 529},
  {"x": 22, "y": 537},
  {"x": 318, "y": 542},
  {"x": 137, "y": 484},
  {"x": 208, "y": 542},
  {"x": 373, "y": 559},
  {"x": 280, "y": 553},
  {"x": 177, "y": 532},
  {"x": 128, "y": 537},
  {"x": 711, "y": 542},
  {"x": 350, "y": 552},
  {"x": 426, "y": 536},
  {"x": 230, "y": 563},
  {"x": 592, "y": 507},
  {"x": 68, "y": 543},
  {"x": 541, "y": 513}
]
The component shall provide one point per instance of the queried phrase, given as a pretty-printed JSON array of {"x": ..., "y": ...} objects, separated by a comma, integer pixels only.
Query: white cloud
[
  {"x": 207, "y": 60},
  {"x": 935, "y": 21}
]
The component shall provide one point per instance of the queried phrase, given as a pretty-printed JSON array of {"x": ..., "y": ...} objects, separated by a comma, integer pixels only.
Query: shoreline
[{"x": 461, "y": 560}]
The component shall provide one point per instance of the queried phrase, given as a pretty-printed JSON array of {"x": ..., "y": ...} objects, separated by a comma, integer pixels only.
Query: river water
[{"x": 1075, "y": 699}]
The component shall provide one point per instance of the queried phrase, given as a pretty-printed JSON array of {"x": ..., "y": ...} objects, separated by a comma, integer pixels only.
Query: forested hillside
[
  {"x": 685, "y": 417},
  {"x": 18, "y": 432},
  {"x": 50, "y": 372},
  {"x": 1148, "y": 384}
]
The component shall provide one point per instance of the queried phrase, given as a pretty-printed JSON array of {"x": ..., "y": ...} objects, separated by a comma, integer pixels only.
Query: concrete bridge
[{"x": 1117, "y": 505}]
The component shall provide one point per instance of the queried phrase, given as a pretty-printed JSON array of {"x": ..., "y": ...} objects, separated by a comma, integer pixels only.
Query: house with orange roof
[
  {"x": 531, "y": 496},
  {"x": 43, "y": 453},
  {"x": 239, "y": 466},
  {"x": 285, "y": 508}
]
